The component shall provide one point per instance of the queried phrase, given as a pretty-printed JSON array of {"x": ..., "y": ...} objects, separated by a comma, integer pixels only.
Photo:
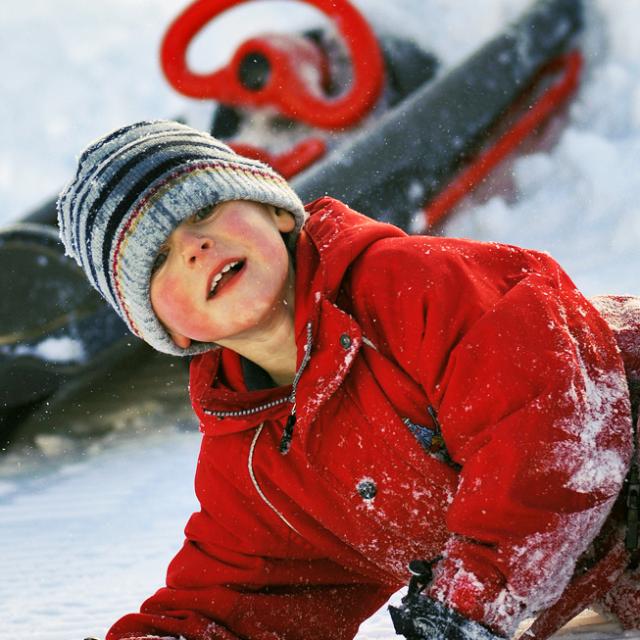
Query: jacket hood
[
  {"x": 333, "y": 237},
  {"x": 339, "y": 236}
]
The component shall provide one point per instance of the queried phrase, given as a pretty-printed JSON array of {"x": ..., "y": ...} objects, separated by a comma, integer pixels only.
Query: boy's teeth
[
  {"x": 219, "y": 275},
  {"x": 228, "y": 266}
]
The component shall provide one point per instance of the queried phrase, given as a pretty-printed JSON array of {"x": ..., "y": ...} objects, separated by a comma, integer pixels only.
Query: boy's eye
[
  {"x": 202, "y": 214},
  {"x": 163, "y": 254}
]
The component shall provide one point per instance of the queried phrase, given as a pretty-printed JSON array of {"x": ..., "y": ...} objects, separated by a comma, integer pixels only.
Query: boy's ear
[
  {"x": 181, "y": 341},
  {"x": 285, "y": 221}
]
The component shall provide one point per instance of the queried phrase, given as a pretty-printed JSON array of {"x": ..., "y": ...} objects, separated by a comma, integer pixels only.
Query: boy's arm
[
  {"x": 533, "y": 404},
  {"x": 222, "y": 613},
  {"x": 241, "y": 575}
]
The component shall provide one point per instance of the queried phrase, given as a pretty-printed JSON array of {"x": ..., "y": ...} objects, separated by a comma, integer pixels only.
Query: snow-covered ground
[{"x": 87, "y": 529}]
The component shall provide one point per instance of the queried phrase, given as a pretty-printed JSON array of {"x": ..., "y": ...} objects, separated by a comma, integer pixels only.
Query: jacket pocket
[{"x": 379, "y": 469}]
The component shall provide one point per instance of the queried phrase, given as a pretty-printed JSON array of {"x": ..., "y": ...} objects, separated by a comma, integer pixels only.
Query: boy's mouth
[{"x": 222, "y": 278}]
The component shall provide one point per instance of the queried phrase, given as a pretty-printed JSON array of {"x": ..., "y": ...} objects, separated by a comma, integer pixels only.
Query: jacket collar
[{"x": 332, "y": 238}]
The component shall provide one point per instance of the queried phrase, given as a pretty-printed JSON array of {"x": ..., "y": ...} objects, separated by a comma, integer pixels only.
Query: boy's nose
[{"x": 192, "y": 246}]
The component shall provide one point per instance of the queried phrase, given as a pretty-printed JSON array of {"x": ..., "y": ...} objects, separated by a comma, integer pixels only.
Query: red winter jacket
[{"x": 395, "y": 334}]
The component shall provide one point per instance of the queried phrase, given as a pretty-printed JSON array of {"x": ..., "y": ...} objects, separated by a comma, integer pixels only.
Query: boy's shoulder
[
  {"x": 333, "y": 222},
  {"x": 331, "y": 219},
  {"x": 338, "y": 232},
  {"x": 369, "y": 258},
  {"x": 431, "y": 258}
]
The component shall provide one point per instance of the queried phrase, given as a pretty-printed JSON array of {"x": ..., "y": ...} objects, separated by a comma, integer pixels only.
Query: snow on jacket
[{"x": 395, "y": 334}]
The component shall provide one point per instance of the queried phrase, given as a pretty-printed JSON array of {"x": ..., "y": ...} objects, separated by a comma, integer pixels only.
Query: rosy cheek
[
  {"x": 174, "y": 307},
  {"x": 162, "y": 299},
  {"x": 236, "y": 226},
  {"x": 244, "y": 227}
]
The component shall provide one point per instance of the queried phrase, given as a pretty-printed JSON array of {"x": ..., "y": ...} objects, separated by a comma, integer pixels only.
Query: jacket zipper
[
  {"x": 288, "y": 431},
  {"x": 287, "y": 434},
  {"x": 285, "y": 443},
  {"x": 257, "y": 486},
  {"x": 247, "y": 412}
]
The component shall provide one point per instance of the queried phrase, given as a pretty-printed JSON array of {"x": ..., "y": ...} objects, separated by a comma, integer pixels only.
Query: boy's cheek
[
  {"x": 260, "y": 241},
  {"x": 173, "y": 305}
]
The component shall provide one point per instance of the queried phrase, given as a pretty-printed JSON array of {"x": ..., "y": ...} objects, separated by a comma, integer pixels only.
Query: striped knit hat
[{"x": 132, "y": 188}]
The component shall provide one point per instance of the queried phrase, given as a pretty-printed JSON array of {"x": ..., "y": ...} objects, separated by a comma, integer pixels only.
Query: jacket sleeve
[
  {"x": 533, "y": 405},
  {"x": 242, "y": 575}
]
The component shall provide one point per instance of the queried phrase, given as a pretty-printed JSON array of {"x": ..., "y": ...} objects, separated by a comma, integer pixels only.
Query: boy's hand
[{"x": 421, "y": 618}]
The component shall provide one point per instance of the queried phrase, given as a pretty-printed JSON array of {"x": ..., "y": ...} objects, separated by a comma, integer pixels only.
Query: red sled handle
[
  {"x": 571, "y": 65},
  {"x": 290, "y": 162},
  {"x": 582, "y": 591},
  {"x": 294, "y": 69}
]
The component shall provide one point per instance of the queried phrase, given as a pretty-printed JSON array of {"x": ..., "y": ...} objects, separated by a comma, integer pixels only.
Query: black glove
[
  {"x": 427, "y": 619},
  {"x": 421, "y": 618}
]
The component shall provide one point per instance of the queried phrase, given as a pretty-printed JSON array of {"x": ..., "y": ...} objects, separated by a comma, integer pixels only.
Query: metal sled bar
[
  {"x": 407, "y": 157},
  {"x": 437, "y": 210}
]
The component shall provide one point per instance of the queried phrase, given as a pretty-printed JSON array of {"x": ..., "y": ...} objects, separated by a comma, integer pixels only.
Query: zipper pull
[{"x": 287, "y": 434}]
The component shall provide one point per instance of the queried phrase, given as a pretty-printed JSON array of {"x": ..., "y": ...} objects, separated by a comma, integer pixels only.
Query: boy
[{"x": 367, "y": 399}]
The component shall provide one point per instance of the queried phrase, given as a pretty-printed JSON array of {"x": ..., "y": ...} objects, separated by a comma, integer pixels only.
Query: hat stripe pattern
[
  {"x": 110, "y": 187},
  {"x": 134, "y": 192},
  {"x": 98, "y": 170},
  {"x": 93, "y": 169},
  {"x": 132, "y": 188}
]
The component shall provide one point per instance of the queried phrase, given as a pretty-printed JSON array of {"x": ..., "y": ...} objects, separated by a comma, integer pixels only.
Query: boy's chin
[{"x": 181, "y": 341}]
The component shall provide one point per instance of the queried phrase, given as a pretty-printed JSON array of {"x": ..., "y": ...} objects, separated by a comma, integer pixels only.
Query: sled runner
[
  {"x": 55, "y": 329},
  {"x": 348, "y": 122}
]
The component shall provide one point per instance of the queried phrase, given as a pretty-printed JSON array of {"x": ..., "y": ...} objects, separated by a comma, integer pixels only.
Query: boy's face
[{"x": 222, "y": 272}]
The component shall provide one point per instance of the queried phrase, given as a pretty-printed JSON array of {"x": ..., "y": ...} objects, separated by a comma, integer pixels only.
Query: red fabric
[
  {"x": 623, "y": 600},
  {"x": 622, "y": 313},
  {"x": 529, "y": 389}
]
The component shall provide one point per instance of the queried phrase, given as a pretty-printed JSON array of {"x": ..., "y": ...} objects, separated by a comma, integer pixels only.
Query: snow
[
  {"x": 578, "y": 201},
  {"x": 87, "y": 530},
  {"x": 78, "y": 544},
  {"x": 63, "y": 349}
]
